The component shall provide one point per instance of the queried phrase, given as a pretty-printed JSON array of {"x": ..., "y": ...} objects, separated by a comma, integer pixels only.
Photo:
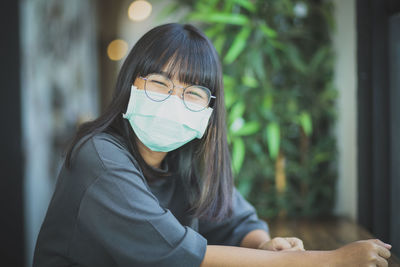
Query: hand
[
  {"x": 283, "y": 244},
  {"x": 372, "y": 252}
]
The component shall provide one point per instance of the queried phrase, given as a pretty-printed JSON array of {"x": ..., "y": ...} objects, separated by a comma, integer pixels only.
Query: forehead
[{"x": 174, "y": 77}]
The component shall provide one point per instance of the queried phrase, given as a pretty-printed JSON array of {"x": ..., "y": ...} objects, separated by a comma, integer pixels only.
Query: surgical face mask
[{"x": 167, "y": 125}]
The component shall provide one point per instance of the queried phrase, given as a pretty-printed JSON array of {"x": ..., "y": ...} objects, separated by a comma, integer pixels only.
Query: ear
[{"x": 139, "y": 83}]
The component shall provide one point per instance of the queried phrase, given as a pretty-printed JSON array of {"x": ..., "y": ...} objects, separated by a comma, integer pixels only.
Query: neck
[{"x": 152, "y": 158}]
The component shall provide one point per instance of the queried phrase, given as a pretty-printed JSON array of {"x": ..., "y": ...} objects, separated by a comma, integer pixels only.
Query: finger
[
  {"x": 380, "y": 243},
  {"x": 383, "y": 252},
  {"x": 296, "y": 242},
  {"x": 280, "y": 243},
  {"x": 381, "y": 262},
  {"x": 267, "y": 245}
]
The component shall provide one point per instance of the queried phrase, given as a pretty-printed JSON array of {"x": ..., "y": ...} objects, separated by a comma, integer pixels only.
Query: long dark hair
[{"x": 203, "y": 164}]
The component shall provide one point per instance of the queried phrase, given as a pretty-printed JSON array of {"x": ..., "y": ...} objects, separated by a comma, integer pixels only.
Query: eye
[
  {"x": 196, "y": 92},
  {"x": 193, "y": 93},
  {"x": 159, "y": 82}
]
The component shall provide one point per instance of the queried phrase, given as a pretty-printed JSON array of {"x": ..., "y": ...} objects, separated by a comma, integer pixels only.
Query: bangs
[{"x": 187, "y": 56}]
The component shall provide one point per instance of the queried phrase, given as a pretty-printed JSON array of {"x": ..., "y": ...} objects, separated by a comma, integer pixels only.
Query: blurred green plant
[{"x": 278, "y": 68}]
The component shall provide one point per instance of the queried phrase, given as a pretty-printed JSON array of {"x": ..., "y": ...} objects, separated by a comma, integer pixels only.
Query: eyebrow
[{"x": 166, "y": 75}]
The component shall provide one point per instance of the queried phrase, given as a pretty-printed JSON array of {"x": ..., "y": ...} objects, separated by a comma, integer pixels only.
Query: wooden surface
[{"x": 322, "y": 234}]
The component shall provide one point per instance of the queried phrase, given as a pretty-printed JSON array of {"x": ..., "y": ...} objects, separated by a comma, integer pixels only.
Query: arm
[
  {"x": 371, "y": 252},
  {"x": 237, "y": 256},
  {"x": 233, "y": 230},
  {"x": 255, "y": 238},
  {"x": 260, "y": 239}
]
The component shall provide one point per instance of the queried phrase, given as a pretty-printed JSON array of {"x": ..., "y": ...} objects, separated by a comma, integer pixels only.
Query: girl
[{"x": 149, "y": 182}]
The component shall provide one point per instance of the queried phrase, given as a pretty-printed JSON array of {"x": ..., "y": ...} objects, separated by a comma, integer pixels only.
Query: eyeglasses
[{"x": 158, "y": 88}]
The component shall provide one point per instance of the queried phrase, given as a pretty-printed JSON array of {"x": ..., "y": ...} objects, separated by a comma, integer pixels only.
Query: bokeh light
[
  {"x": 139, "y": 10},
  {"x": 117, "y": 49}
]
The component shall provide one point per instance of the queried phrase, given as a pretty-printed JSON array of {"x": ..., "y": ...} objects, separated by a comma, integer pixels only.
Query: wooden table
[{"x": 322, "y": 233}]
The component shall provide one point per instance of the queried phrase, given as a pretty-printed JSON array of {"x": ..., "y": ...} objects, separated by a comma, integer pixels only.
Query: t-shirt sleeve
[
  {"x": 122, "y": 215},
  {"x": 231, "y": 231}
]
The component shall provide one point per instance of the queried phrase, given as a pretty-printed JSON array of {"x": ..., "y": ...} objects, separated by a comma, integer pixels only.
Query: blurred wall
[
  {"x": 59, "y": 90},
  {"x": 345, "y": 79}
]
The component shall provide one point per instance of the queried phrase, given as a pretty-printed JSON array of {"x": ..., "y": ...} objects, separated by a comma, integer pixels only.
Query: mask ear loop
[
  {"x": 128, "y": 113},
  {"x": 211, "y": 103}
]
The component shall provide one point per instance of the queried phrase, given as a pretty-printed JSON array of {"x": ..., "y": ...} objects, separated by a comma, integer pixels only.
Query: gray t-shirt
[{"x": 104, "y": 213}]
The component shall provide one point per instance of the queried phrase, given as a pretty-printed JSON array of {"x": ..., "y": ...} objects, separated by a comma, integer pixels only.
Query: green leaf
[
  {"x": 236, "y": 111},
  {"x": 318, "y": 59},
  {"x": 228, "y": 80},
  {"x": 230, "y": 98},
  {"x": 306, "y": 123},
  {"x": 250, "y": 81},
  {"x": 229, "y": 138},
  {"x": 226, "y": 18},
  {"x": 248, "y": 128},
  {"x": 246, "y": 4},
  {"x": 321, "y": 157},
  {"x": 230, "y": 95},
  {"x": 268, "y": 32},
  {"x": 275, "y": 60},
  {"x": 256, "y": 57},
  {"x": 266, "y": 109},
  {"x": 273, "y": 139},
  {"x": 228, "y": 6},
  {"x": 238, "y": 154},
  {"x": 268, "y": 101},
  {"x": 211, "y": 4},
  {"x": 238, "y": 45},
  {"x": 276, "y": 44},
  {"x": 219, "y": 43},
  {"x": 202, "y": 6},
  {"x": 295, "y": 58},
  {"x": 211, "y": 32},
  {"x": 292, "y": 106}
]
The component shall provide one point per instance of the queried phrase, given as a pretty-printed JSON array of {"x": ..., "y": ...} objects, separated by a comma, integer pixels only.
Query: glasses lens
[
  {"x": 196, "y": 97},
  {"x": 158, "y": 87}
]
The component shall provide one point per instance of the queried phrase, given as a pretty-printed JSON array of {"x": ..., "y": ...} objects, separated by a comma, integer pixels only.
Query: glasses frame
[{"x": 173, "y": 87}]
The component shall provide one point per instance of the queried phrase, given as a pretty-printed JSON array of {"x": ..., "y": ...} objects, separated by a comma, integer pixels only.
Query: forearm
[
  {"x": 255, "y": 238},
  {"x": 220, "y": 256}
]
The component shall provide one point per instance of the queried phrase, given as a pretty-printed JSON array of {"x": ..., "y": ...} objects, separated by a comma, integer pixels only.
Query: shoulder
[{"x": 102, "y": 151}]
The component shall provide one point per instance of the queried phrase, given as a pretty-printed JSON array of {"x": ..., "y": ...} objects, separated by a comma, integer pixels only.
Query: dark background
[
  {"x": 11, "y": 156},
  {"x": 378, "y": 33}
]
